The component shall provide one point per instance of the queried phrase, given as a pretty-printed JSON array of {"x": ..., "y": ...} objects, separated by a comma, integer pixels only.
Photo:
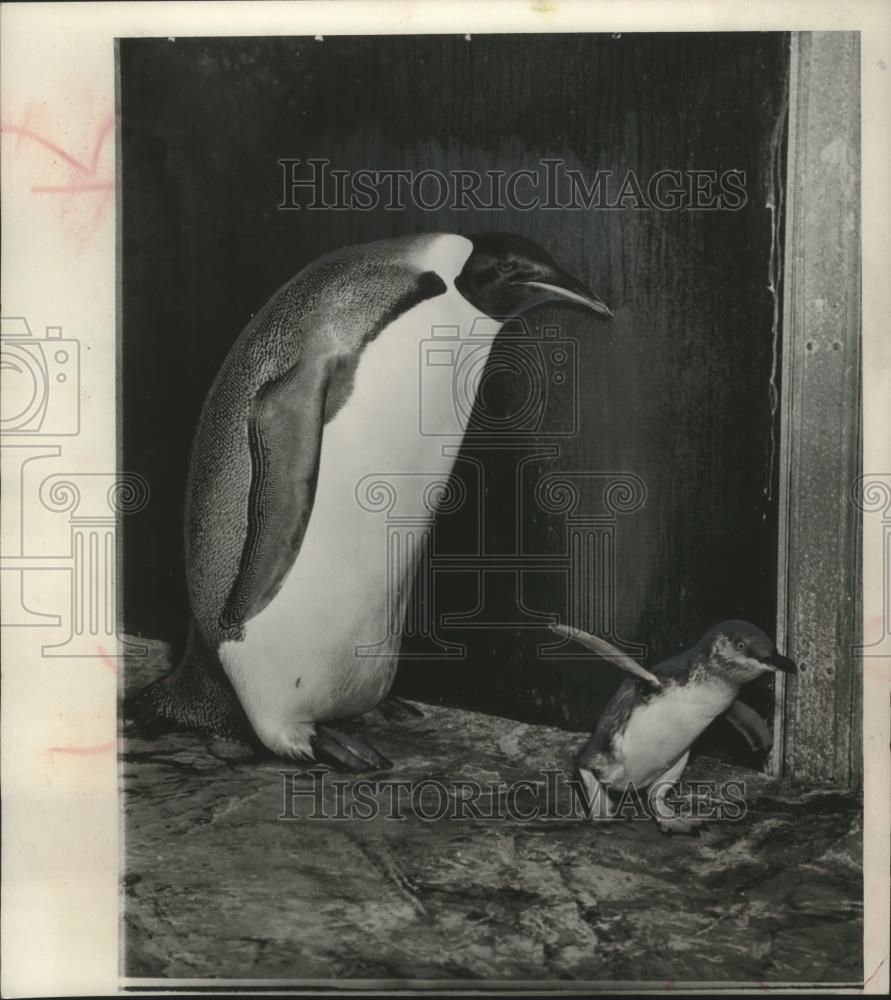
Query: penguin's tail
[{"x": 195, "y": 696}]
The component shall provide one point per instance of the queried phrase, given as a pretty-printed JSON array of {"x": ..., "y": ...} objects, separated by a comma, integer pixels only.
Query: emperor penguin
[
  {"x": 643, "y": 736},
  {"x": 288, "y": 574}
]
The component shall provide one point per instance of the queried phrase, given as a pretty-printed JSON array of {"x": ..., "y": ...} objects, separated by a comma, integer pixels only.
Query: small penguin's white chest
[
  {"x": 333, "y": 629},
  {"x": 659, "y": 732}
]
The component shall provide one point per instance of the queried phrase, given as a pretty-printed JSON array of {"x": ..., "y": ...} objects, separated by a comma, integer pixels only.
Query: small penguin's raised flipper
[
  {"x": 284, "y": 434},
  {"x": 605, "y": 649},
  {"x": 750, "y": 724}
]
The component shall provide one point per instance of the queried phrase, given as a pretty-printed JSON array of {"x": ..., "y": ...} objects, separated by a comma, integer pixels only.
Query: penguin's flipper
[
  {"x": 605, "y": 649},
  {"x": 284, "y": 434},
  {"x": 750, "y": 724}
]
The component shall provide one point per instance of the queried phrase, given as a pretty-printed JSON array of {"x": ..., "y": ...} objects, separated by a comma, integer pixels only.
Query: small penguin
[
  {"x": 644, "y": 734},
  {"x": 288, "y": 573}
]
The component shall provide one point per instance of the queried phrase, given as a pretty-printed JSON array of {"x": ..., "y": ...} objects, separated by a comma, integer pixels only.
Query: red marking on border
[
  {"x": 25, "y": 119},
  {"x": 98, "y": 748},
  {"x": 85, "y": 751},
  {"x": 82, "y": 174},
  {"x": 87, "y": 169},
  {"x": 73, "y": 188},
  {"x": 107, "y": 660},
  {"x": 57, "y": 150}
]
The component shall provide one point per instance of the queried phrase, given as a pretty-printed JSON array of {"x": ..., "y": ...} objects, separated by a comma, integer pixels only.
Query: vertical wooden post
[{"x": 818, "y": 713}]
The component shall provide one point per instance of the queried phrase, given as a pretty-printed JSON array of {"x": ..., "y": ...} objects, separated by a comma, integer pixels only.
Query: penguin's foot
[
  {"x": 164, "y": 707},
  {"x": 346, "y": 753},
  {"x": 597, "y": 801},
  {"x": 668, "y": 819},
  {"x": 147, "y": 712},
  {"x": 679, "y": 825},
  {"x": 292, "y": 741},
  {"x": 396, "y": 710},
  {"x": 195, "y": 696},
  {"x": 309, "y": 741}
]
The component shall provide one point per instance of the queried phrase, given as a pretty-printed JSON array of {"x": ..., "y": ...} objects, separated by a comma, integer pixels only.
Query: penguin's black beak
[
  {"x": 568, "y": 289},
  {"x": 783, "y": 664}
]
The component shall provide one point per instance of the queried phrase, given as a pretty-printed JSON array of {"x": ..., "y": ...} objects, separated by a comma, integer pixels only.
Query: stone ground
[{"x": 217, "y": 885}]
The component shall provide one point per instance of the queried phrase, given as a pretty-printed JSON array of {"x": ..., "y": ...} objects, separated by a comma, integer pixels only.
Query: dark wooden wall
[{"x": 677, "y": 389}]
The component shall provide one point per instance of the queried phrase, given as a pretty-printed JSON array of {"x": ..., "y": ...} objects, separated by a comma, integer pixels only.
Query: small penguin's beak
[
  {"x": 568, "y": 289},
  {"x": 782, "y": 664}
]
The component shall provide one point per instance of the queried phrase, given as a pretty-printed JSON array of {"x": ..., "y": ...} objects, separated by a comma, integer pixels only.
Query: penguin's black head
[
  {"x": 505, "y": 275},
  {"x": 742, "y": 652}
]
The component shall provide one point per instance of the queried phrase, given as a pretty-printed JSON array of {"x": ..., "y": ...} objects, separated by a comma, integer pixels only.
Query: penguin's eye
[
  {"x": 740, "y": 645},
  {"x": 504, "y": 265}
]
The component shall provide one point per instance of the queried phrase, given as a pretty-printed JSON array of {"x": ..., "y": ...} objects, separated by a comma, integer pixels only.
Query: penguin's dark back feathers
[
  {"x": 631, "y": 693},
  {"x": 315, "y": 326},
  {"x": 677, "y": 668}
]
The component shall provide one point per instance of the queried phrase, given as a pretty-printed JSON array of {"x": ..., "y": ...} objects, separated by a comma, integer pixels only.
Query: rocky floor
[{"x": 219, "y": 885}]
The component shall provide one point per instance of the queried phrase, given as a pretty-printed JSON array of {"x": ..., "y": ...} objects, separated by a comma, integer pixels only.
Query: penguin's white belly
[
  {"x": 659, "y": 732},
  {"x": 328, "y": 641}
]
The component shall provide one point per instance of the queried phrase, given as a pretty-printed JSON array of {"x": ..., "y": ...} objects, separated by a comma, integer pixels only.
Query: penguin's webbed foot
[
  {"x": 167, "y": 706},
  {"x": 679, "y": 825},
  {"x": 346, "y": 753},
  {"x": 157, "y": 709},
  {"x": 145, "y": 712},
  {"x": 395, "y": 709}
]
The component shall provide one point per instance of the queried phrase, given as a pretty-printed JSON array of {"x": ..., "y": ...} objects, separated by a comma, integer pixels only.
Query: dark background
[{"x": 677, "y": 388}]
